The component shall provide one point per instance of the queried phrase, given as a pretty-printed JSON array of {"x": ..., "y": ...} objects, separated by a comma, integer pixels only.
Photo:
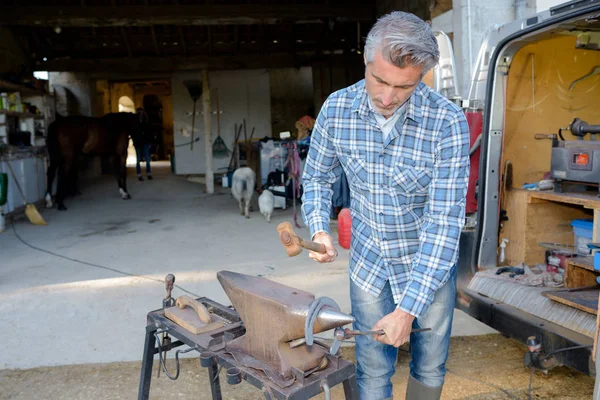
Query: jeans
[
  {"x": 138, "y": 151},
  {"x": 429, "y": 350}
]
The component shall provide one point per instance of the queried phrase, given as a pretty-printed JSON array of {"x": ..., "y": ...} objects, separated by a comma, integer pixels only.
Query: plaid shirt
[{"x": 407, "y": 192}]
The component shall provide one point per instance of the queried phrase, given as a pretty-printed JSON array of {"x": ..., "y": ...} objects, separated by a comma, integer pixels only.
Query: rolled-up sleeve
[
  {"x": 443, "y": 219},
  {"x": 321, "y": 170}
]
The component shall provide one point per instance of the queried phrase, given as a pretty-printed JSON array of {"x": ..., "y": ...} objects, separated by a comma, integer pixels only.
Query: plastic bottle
[
  {"x": 4, "y": 101},
  {"x": 502, "y": 251}
]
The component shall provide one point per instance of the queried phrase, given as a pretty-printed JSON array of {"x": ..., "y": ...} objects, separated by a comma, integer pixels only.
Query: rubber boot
[{"x": 417, "y": 391}]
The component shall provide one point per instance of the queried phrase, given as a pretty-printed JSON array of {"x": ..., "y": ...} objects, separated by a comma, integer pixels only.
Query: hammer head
[{"x": 289, "y": 239}]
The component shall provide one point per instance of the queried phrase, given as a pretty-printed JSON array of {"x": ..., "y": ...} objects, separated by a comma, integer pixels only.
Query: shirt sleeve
[
  {"x": 321, "y": 170},
  {"x": 443, "y": 221}
]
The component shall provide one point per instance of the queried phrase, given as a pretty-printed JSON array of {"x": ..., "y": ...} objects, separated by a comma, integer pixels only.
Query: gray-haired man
[{"x": 405, "y": 151}]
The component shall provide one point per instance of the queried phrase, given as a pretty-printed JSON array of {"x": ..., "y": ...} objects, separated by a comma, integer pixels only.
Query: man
[
  {"x": 405, "y": 151},
  {"x": 142, "y": 142}
]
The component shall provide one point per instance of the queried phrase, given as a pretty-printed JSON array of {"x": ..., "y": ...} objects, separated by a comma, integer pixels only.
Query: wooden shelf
[
  {"x": 7, "y": 86},
  {"x": 584, "y": 300},
  {"x": 583, "y": 262},
  {"x": 20, "y": 114},
  {"x": 587, "y": 200}
]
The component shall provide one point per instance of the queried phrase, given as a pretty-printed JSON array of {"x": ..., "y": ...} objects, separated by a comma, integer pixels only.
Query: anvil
[{"x": 274, "y": 315}]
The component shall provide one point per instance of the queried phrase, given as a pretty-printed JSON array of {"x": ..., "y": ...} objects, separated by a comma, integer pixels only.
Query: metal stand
[{"x": 213, "y": 356}]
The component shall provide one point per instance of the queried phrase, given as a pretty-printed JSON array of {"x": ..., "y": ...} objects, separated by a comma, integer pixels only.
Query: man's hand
[
  {"x": 325, "y": 239},
  {"x": 397, "y": 326}
]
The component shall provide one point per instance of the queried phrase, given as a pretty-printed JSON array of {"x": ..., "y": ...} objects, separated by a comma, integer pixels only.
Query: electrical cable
[
  {"x": 550, "y": 355},
  {"x": 485, "y": 383},
  {"x": 530, "y": 382},
  {"x": 316, "y": 337},
  {"x": 95, "y": 265},
  {"x": 511, "y": 396},
  {"x": 567, "y": 349}
]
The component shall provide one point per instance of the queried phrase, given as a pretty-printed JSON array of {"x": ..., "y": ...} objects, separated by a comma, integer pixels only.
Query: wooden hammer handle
[
  {"x": 203, "y": 314},
  {"x": 314, "y": 246}
]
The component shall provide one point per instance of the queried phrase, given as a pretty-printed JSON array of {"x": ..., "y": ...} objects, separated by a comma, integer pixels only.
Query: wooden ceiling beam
[
  {"x": 126, "y": 40},
  {"x": 243, "y": 14},
  {"x": 182, "y": 39},
  {"x": 154, "y": 41},
  {"x": 190, "y": 63}
]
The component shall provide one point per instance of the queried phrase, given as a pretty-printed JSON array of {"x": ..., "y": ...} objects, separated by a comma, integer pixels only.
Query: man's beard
[{"x": 386, "y": 111}]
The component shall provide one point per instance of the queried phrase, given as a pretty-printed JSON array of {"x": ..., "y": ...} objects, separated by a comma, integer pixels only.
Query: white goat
[
  {"x": 242, "y": 188},
  {"x": 266, "y": 203}
]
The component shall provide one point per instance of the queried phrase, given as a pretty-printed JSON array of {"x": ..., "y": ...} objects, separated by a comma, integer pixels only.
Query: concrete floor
[{"x": 60, "y": 312}]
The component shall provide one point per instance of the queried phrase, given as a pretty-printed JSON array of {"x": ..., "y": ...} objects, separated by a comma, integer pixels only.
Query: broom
[
  {"x": 194, "y": 87},
  {"x": 30, "y": 211},
  {"x": 219, "y": 148}
]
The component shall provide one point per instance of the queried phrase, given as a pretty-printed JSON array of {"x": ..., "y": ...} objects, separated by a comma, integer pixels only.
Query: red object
[
  {"x": 582, "y": 159},
  {"x": 475, "y": 121},
  {"x": 345, "y": 228}
]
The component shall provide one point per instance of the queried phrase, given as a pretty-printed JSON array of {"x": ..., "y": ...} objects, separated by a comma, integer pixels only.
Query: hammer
[{"x": 294, "y": 244}]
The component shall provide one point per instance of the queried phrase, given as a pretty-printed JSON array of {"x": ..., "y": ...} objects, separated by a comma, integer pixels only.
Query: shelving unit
[
  {"x": 537, "y": 217},
  {"x": 26, "y": 121},
  {"x": 7, "y": 86},
  {"x": 28, "y": 162}
]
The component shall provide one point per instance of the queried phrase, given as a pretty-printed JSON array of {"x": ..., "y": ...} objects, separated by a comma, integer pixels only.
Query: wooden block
[
  {"x": 584, "y": 300},
  {"x": 188, "y": 319},
  {"x": 596, "y": 333},
  {"x": 576, "y": 276},
  {"x": 582, "y": 262}
]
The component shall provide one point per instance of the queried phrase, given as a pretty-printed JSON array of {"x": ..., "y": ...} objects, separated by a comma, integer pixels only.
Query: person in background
[{"x": 142, "y": 142}]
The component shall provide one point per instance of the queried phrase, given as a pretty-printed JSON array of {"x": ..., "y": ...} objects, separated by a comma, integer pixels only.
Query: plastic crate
[{"x": 583, "y": 231}]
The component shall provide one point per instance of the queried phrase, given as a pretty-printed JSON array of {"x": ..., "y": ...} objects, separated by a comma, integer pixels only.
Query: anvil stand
[{"x": 211, "y": 346}]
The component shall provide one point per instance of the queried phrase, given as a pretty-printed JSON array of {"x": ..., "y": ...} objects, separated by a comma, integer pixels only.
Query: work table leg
[{"x": 147, "y": 363}]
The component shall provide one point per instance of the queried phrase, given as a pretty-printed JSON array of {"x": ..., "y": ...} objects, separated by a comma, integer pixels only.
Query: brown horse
[{"x": 70, "y": 137}]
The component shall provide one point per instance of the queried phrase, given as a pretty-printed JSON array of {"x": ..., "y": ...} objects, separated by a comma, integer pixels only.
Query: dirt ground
[{"x": 479, "y": 367}]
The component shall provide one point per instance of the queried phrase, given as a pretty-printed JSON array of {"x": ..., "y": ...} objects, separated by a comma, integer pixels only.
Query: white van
[{"x": 533, "y": 204}]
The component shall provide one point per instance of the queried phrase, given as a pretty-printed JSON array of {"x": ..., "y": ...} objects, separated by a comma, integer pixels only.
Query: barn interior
[{"x": 219, "y": 81}]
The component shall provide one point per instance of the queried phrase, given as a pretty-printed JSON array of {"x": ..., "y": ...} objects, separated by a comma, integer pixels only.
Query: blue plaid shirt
[{"x": 407, "y": 192}]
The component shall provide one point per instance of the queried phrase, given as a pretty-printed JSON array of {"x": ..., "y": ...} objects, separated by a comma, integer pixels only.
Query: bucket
[
  {"x": 3, "y": 188},
  {"x": 345, "y": 228},
  {"x": 172, "y": 159}
]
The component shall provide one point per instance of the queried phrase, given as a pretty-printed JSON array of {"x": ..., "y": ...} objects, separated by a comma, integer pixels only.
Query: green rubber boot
[{"x": 417, "y": 391}]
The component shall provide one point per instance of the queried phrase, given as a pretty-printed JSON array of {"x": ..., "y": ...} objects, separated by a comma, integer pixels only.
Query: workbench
[{"x": 213, "y": 356}]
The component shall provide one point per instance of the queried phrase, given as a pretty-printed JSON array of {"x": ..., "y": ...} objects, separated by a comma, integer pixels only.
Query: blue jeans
[
  {"x": 428, "y": 350},
  {"x": 138, "y": 151}
]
